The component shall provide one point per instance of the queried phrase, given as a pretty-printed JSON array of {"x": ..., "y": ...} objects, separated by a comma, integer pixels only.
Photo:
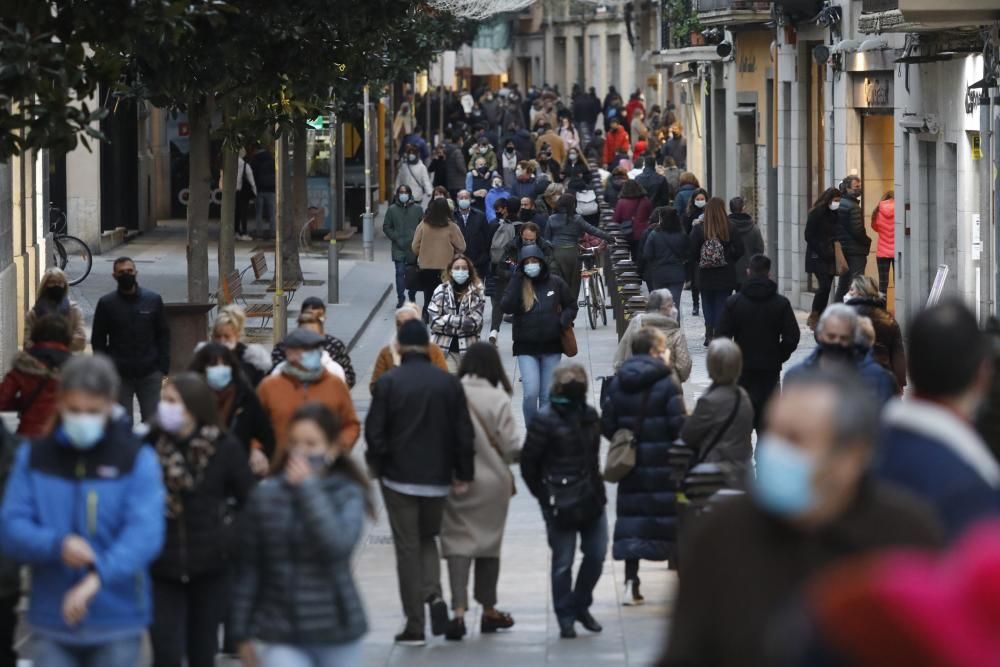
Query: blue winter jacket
[
  {"x": 880, "y": 381},
  {"x": 647, "y": 514},
  {"x": 933, "y": 454},
  {"x": 112, "y": 496}
]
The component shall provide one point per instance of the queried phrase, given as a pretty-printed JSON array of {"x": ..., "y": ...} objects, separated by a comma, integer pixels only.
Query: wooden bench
[
  {"x": 258, "y": 262},
  {"x": 232, "y": 292}
]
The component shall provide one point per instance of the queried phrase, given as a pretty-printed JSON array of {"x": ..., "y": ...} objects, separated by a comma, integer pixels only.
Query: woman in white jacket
[
  {"x": 473, "y": 523},
  {"x": 413, "y": 173}
]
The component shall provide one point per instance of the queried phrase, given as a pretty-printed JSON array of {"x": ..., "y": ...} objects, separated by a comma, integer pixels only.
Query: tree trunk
[
  {"x": 297, "y": 206},
  {"x": 200, "y": 188},
  {"x": 227, "y": 225}
]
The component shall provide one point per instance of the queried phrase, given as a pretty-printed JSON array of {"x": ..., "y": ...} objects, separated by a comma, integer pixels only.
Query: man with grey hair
[
  {"x": 837, "y": 346},
  {"x": 84, "y": 507},
  {"x": 661, "y": 313},
  {"x": 811, "y": 504}
]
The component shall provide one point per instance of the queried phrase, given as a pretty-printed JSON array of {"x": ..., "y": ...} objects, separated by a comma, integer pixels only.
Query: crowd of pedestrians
[{"x": 235, "y": 503}]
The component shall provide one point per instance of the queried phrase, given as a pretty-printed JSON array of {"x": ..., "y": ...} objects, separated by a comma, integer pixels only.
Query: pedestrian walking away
[
  {"x": 560, "y": 465},
  {"x": 88, "y": 537},
  {"x": 888, "y": 350},
  {"x": 262, "y": 165},
  {"x": 130, "y": 326},
  {"x": 632, "y": 213},
  {"x": 294, "y": 591},
  {"x": 10, "y": 570},
  {"x": 811, "y": 505},
  {"x": 31, "y": 387},
  {"x": 661, "y": 314},
  {"x": 565, "y": 230},
  {"x": 203, "y": 466},
  {"x": 821, "y": 258},
  {"x": 399, "y": 225},
  {"x": 473, "y": 523},
  {"x": 246, "y": 192},
  {"x": 53, "y": 299},
  {"x": 436, "y": 241},
  {"x": 543, "y": 307},
  {"x": 333, "y": 346},
  {"x": 420, "y": 446},
  {"x": 763, "y": 324},
  {"x": 666, "y": 254},
  {"x": 715, "y": 248},
  {"x": 644, "y": 400},
  {"x": 389, "y": 356},
  {"x": 749, "y": 234},
  {"x": 456, "y": 310},
  {"x": 884, "y": 224}
]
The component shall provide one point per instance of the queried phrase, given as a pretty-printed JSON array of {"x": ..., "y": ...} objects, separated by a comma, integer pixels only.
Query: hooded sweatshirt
[
  {"x": 538, "y": 329},
  {"x": 884, "y": 224},
  {"x": 762, "y": 323}
]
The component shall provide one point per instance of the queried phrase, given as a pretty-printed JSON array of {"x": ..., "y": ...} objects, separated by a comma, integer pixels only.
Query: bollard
[
  {"x": 333, "y": 271},
  {"x": 368, "y": 236}
]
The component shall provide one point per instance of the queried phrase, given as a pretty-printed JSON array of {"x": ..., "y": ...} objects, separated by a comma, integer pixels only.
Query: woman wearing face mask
[
  {"x": 560, "y": 463},
  {"x": 438, "y": 169},
  {"x": 441, "y": 192},
  {"x": 240, "y": 411},
  {"x": 456, "y": 310},
  {"x": 509, "y": 160},
  {"x": 473, "y": 523},
  {"x": 569, "y": 135},
  {"x": 203, "y": 466},
  {"x": 53, "y": 299},
  {"x": 413, "y": 174},
  {"x": 542, "y": 305},
  {"x": 564, "y": 231},
  {"x": 227, "y": 330},
  {"x": 820, "y": 232},
  {"x": 697, "y": 201},
  {"x": 576, "y": 171},
  {"x": 389, "y": 357},
  {"x": 303, "y": 380},
  {"x": 399, "y": 225},
  {"x": 83, "y": 507},
  {"x": 436, "y": 241},
  {"x": 294, "y": 591}
]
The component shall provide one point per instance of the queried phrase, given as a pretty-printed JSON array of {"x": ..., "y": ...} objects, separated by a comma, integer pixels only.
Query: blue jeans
[
  {"x": 311, "y": 655},
  {"x": 401, "y": 282},
  {"x": 265, "y": 200},
  {"x": 569, "y": 600},
  {"x": 536, "y": 378},
  {"x": 676, "y": 290},
  {"x": 713, "y": 301},
  {"x": 117, "y": 653}
]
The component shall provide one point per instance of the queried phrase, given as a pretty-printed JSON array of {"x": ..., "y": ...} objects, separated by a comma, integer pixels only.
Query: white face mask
[
  {"x": 835, "y": 204},
  {"x": 700, "y": 203}
]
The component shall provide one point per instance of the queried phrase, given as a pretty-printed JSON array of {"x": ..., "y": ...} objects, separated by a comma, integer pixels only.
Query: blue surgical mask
[
  {"x": 783, "y": 484},
  {"x": 460, "y": 276},
  {"x": 464, "y": 203},
  {"x": 532, "y": 270},
  {"x": 312, "y": 360},
  {"x": 403, "y": 197},
  {"x": 83, "y": 430},
  {"x": 219, "y": 377}
]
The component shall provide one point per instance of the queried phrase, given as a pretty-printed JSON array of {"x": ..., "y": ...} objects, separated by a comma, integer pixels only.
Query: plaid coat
[{"x": 452, "y": 318}]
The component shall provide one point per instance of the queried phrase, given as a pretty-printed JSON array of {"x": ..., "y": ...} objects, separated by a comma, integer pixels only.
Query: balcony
[
  {"x": 872, "y": 6},
  {"x": 954, "y": 13},
  {"x": 727, "y": 13}
]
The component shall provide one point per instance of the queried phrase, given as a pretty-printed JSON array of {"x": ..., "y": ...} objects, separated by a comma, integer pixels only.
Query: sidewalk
[{"x": 161, "y": 259}]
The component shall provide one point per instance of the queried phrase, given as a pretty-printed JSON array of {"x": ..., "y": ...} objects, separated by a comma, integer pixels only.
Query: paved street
[{"x": 632, "y": 635}]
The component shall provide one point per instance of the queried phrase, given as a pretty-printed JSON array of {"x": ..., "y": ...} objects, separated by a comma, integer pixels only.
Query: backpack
[
  {"x": 502, "y": 237},
  {"x": 586, "y": 202},
  {"x": 713, "y": 255}
]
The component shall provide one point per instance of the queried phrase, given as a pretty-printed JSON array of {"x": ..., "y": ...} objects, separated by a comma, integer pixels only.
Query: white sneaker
[
  {"x": 493, "y": 337},
  {"x": 631, "y": 596}
]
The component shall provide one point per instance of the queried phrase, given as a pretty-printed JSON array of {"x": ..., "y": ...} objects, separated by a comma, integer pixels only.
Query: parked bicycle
[
  {"x": 592, "y": 279},
  {"x": 69, "y": 253}
]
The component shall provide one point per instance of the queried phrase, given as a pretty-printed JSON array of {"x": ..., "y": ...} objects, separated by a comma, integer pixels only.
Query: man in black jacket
[
  {"x": 477, "y": 232},
  {"x": 763, "y": 324},
  {"x": 851, "y": 233},
  {"x": 130, "y": 326},
  {"x": 655, "y": 185},
  {"x": 420, "y": 445}
]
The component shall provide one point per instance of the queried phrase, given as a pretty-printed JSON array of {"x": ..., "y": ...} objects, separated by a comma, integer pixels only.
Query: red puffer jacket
[
  {"x": 884, "y": 224},
  {"x": 32, "y": 385}
]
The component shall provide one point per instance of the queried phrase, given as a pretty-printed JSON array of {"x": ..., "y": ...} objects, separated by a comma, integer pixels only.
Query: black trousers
[
  {"x": 242, "y": 204},
  {"x": 429, "y": 280},
  {"x": 822, "y": 297},
  {"x": 8, "y": 628},
  {"x": 186, "y": 619},
  {"x": 885, "y": 265},
  {"x": 760, "y": 385},
  {"x": 855, "y": 267}
]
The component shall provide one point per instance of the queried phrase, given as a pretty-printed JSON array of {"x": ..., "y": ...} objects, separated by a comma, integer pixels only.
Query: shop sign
[
  {"x": 977, "y": 146},
  {"x": 973, "y": 98},
  {"x": 873, "y": 90}
]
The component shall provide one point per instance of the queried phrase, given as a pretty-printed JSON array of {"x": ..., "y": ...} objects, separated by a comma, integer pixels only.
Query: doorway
[
  {"x": 746, "y": 154},
  {"x": 877, "y": 178}
]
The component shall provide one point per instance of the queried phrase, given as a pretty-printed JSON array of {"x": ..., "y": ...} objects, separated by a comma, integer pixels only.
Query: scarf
[
  {"x": 301, "y": 374},
  {"x": 227, "y": 399},
  {"x": 184, "y": 467}
]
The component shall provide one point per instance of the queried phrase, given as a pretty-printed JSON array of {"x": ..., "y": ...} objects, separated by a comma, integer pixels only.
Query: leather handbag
[
  {"x": 572, "y": 499},
  {"x": 621, "y": 454},
  {"x": 567, "y": 338}
]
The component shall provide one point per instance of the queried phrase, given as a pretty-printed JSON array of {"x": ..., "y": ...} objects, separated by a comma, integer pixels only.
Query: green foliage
[{"x": 682, "y": 19}]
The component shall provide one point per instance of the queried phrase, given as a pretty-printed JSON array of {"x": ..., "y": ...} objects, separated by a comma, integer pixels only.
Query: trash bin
[{"x": 188, "y": 326}]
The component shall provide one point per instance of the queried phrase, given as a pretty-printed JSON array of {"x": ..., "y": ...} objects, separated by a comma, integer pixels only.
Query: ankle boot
[{"x": 812, "y": 320}]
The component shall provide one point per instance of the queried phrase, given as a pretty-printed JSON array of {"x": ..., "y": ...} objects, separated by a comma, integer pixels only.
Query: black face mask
[
  {"x": 54, "y": 293},
  {"x": 126, "y": 281},
  {"x": 834, "y": 352},
  {"x": 526, "y": 214}
]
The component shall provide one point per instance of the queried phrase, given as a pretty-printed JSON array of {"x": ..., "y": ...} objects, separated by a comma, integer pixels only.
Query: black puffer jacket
[
  {"x": 562, "y": 439},
  {"x": 249, "y": 421},
  {"x": 538, "y": 330},
  {"x": 647, "y": 514},
  {"x": 762, "y": 323},
  {"x": 200, "y": 540},
  {"x": 821, "y": 231},
  {"x": 293, "y": 580},
  {"x": 132, "y": 330},
  {"x": 664, "y": 257},
  {"x": 851, "y": 232}
]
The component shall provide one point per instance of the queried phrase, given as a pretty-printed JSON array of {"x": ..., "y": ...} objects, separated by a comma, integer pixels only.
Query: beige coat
[
  {"x": 474, "y": 522},
  {"x": 680, "y": 357},
  {"x": 436, "y": 246}
]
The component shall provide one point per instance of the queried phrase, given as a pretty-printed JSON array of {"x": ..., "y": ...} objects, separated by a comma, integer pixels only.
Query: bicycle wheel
[
  {"x": 587, "y": 287},
  {"x": 593, "y": 301},
  {"x": 78, "y": 261},
  {"x": 602, "y": 301},
  {"x": 58, "y": 254}
]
